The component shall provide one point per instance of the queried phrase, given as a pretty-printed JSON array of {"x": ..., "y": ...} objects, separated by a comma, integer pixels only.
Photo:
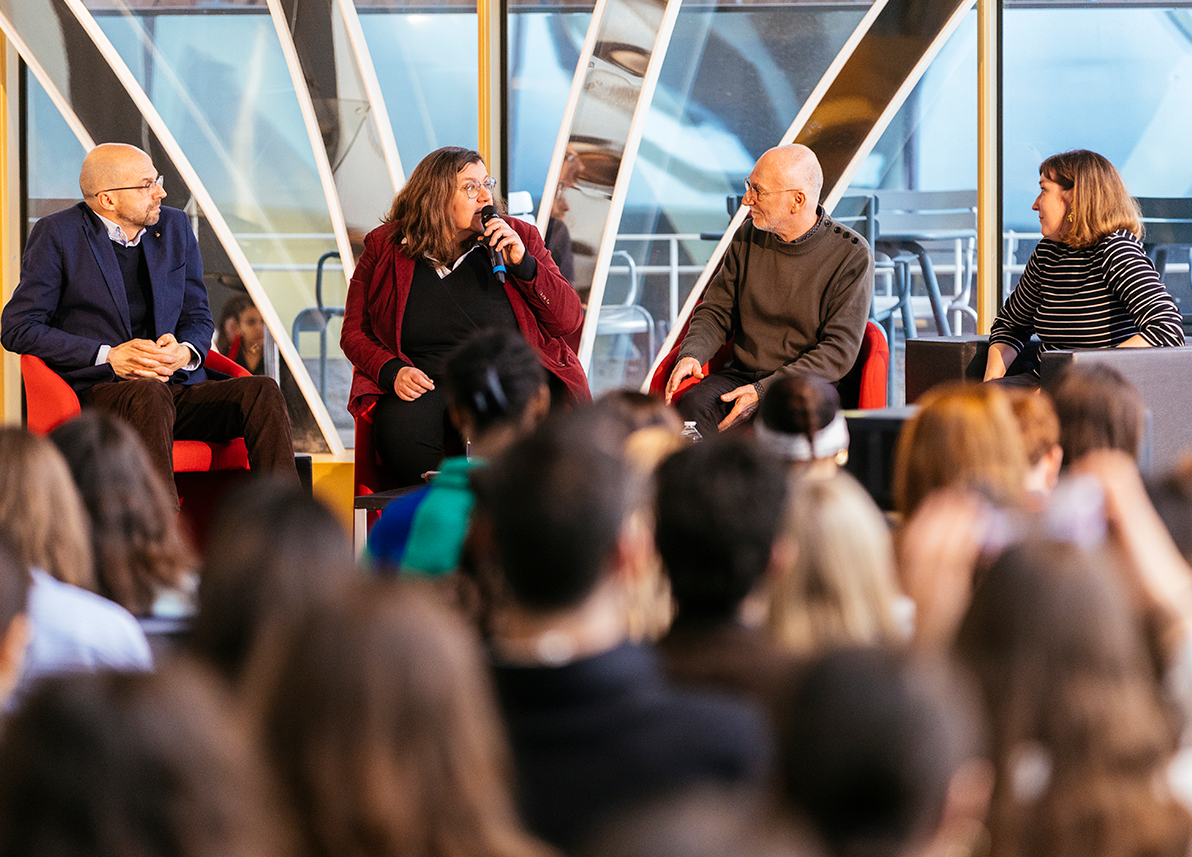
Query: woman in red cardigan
[{"x": 424, "y": 284}]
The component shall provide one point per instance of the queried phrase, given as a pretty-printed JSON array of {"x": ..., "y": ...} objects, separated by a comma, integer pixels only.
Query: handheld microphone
[{"x": 496, "y": 257}]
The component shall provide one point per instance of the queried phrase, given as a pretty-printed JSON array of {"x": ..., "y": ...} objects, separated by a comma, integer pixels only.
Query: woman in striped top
[{"x": 1088, "y": 284}]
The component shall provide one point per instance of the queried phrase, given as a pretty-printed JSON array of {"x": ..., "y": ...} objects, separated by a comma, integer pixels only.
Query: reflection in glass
[
  {"x": 600, "y": 128},
  {"x": 348, "y": 130}
]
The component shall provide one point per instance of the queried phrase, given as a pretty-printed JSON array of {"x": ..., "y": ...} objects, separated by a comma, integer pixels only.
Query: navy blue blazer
[{"x": 71, "y": 298}]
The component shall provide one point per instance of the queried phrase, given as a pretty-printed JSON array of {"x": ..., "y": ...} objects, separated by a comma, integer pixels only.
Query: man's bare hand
[
  {"x": 178, "y": 353},
  {"x": 685, "y": 368},
  {"x": 744, "y": 400},
  {"x": 140, "y": 358},
  {"x": 411, "y": 383}
]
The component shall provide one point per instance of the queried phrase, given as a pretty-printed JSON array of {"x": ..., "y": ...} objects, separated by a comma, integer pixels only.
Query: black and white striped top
[{"x": 1093, "y": 297}]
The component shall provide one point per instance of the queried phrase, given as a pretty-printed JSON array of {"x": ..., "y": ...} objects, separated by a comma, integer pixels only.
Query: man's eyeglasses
[
  {"x": 472, "y": 189},
  {"x": 751, "y": 188},
  {"x": 148, "y": 184}
]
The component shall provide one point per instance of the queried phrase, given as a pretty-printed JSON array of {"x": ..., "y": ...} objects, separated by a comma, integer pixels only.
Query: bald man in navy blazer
[{"x": 112, "y": 299}]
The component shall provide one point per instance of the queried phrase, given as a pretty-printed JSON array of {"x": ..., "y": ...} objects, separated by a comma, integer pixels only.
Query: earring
[{"x": 1071, "y": 217}]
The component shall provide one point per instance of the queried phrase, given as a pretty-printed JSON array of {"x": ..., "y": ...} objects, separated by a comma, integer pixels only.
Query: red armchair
[
  {"x": 864, "y": 387},
  {"x": 202, "y": 470}
]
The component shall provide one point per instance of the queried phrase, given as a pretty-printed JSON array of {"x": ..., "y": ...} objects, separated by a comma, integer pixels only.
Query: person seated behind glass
[
  {"x": 1089, "y": 283},
  {"x": 424, "y": 284},
  {"x": 248, "y": 348}
]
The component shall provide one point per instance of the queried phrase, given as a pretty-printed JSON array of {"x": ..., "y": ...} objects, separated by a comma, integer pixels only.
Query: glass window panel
[
  {"x": 544, "y": 47},
  {"x": 1118, "y": 82},
  {"x": 52, "y": 175},
  {"x": 427, "y": 65}
]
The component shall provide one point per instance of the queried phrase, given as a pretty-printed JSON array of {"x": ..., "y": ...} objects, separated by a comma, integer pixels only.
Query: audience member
[
  {"x": 654, "y": 433},
  {"x": 276, "y": 552},
  {"x": 1080, "y": 739},
  {"x": 640, "y": 411},
  {"x": 880, "y": 753},
  {"x": 1098, "y": 409},
  {"x": 43, "y": 519},
  {"x": 1040, "y": 430},
  {"x": 1154, "y": 572},
  {"x": 840, "y": 589},
  {"x": 595, "y": 728},
  {"x": 705, "y": 823},
  {"x": 964, "y": 435},
  {"x": 718, "y": 514},
  {"x": 496, "y": 392},
  {"x": 15, "y": 582},
  {"x": 141, "y": 560},
  {"x": 152, "y": 765},
  {"x": 379, "y": 716},
  {"x": 800, "y": 421},
  {"x": 1171, "y": 495}
]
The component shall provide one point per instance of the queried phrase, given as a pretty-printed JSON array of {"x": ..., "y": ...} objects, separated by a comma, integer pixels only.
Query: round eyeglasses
[{"x": 472, "y": 189}]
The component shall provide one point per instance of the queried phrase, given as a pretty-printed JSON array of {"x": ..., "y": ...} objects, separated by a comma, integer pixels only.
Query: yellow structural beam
[
  {"x": 989, "y": 235},
  {"x": 10, "y": 223}
]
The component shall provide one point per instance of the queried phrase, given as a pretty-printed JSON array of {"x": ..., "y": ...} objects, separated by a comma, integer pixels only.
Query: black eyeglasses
[
  {"x": 149, "y": 184},
  {"x": 751, "y": 188}
]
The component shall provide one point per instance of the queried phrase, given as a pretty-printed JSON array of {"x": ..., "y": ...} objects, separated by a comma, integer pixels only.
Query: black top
[
  {"x": 727, "y": 656},
  {"x": 608, "y": 732},
  {"x": 138, "y": 289},
  {"x": 442, "y": 313}
]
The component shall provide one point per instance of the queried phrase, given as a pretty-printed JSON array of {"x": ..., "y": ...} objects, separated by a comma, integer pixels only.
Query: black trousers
[
  {"x": 414, "y": 437},
  {"x": 212, "y": 411},
  {"x": 702, "y": 402}
]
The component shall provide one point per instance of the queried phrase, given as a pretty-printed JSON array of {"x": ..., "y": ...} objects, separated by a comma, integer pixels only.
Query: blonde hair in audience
[
  {"x": 841, "y": 588},
  {"x": 1100, "y": 202},
  {"x": 648, "y": 607},
  {"x": 965, "y": 435},
  {"x": 1037, "y": 422},
  {"x": 41, "y": 511}
]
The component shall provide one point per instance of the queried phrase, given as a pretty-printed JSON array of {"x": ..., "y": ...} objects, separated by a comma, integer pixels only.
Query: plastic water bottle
[{"x": 690, "y": 433}]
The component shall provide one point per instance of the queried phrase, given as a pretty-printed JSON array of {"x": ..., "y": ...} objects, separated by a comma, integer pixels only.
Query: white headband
[{"x": 829, "y": 440}]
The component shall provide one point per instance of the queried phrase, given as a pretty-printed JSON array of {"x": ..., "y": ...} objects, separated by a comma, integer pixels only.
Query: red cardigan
[{"x": 547, "y": 309}]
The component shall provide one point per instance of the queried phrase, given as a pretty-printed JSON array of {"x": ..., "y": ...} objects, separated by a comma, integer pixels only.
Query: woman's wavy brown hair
[
  {"x": 965, "y": 435},
  {"x": 380, "y": 719},
  {"x": 421, "y": 208},
  {"x": 41, "y": 511},
  {"x": 1080, "y": 738},
  {"x": 134, "y": 533},
  {"x": 1100, "y": 202}
]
